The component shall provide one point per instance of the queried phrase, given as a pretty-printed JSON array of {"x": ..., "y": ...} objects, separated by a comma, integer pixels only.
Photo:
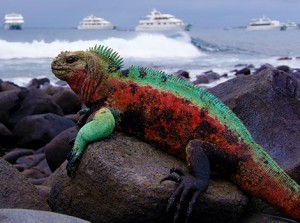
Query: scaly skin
[{"x": 179, "y": 118}]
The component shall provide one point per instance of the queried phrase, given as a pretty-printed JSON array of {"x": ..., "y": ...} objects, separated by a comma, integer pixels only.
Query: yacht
[
  {"x": 289, "y": 25},
  {"x": 13, "y": 21},
  {"x": 263, "y": 23},
  {"x": 93, "y": 22},
  {"x": 156, "y": 21}
]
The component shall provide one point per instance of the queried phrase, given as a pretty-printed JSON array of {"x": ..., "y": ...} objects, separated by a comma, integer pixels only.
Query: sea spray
[{"x": 144, "y": 46}]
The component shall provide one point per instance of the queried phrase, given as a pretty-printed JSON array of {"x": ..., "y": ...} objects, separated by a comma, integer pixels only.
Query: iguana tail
[{"x": 262, "y": 177}]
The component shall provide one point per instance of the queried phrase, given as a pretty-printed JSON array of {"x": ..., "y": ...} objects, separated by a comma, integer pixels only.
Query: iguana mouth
[{"x": 58, "y": 71}]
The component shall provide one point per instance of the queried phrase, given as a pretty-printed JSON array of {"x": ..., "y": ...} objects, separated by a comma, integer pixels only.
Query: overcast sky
[{"x": 125, "y": 14}]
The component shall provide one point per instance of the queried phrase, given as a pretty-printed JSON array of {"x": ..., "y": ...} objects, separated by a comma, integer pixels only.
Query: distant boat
[
  {"x": 13, "y": 21},
  {"x": 263, "y": 23},
  {"x": 289, "y": 25},
  {"x": 157, "y": 21},
  {"x": 93, "y": 22}
]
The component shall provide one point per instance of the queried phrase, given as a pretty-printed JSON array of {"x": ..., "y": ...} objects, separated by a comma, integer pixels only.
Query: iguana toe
[
  {"x": 182, "y": 201},
  {"x": 72, "y": 164}
]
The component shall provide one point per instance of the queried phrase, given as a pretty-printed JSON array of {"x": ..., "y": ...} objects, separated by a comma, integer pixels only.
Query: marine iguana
[{"x": 177, "y": 117}]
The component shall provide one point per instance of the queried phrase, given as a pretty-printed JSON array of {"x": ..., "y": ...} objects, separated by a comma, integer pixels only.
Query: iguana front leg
[
  {"x": 191, "y": 184},
  {"x": 101, "y": 126}
]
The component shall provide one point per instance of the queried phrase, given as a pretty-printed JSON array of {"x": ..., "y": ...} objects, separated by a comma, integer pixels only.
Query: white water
[{"x": 144, "y": 46}]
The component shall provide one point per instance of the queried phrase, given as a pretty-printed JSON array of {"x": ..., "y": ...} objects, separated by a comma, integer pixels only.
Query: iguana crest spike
[{"x": 115, "y": 62}]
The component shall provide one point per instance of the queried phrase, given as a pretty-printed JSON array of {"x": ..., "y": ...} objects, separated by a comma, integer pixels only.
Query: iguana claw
[
  {"x": 73, "y": 161},
  {"x": 182, "y": 201}
]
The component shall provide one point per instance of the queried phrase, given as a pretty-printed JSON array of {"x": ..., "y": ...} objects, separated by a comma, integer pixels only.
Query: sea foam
[{"x": 143, "y": 46}]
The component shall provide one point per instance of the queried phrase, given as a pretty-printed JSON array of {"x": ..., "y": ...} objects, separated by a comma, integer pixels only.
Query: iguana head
[
  {"x": 85, "y": 71},
  {"x": 68, "y": 63}
]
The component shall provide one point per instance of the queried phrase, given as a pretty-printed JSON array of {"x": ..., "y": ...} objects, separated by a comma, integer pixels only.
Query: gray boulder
[
  {"x": 32, "y": 101},
  {"x": 118, "y": 181},
  {"x": 17, "y": 192},
  {"x": 58, "y": 148},
  {"x": 37, "y": 130}
]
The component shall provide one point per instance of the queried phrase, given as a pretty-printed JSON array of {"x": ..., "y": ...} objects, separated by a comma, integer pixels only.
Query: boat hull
[{"x": 13, "y": 26}]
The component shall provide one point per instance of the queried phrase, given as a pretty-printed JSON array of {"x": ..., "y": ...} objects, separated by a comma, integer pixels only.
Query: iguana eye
[{"x": 71, "y": 60}]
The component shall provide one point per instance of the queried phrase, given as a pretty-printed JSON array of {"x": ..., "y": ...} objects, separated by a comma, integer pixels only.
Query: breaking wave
[{"x": 143, "y": 46}]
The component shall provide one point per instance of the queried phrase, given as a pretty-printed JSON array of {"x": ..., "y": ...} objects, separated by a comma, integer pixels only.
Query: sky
[{"x": 125, "y": 14}]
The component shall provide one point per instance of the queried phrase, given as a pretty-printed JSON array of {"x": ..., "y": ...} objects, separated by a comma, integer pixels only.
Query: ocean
[{"x": 27, "y": 54}]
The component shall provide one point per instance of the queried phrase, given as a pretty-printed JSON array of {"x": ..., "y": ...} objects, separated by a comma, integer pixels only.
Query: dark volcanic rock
[
  {"x": 34, "y": 101},
  {"x": 57, "y": 150},
  {"x": 6, "y": 136},
  {"x": 17, "y": 192},
  {"x": 207, "y": 77},
  {"x": 272, "y": 119},
  {"x": 263, "y": 67},
  {"x": 37, "y": 83},
  {"x": 286, "y": 84},
  {"x": 37, "y": 130},
  {"x": 244, "y": 71},
  {"x": 9, "y": 102},
  {"x": 118, "y": 181},
  {"x": 8, "y": 86},
  {"x": 182, "y": 74},
  {"x": 68, "y": 101},
  {"x": 13, "y": 155},
  {"x": 284, "y": 68}
]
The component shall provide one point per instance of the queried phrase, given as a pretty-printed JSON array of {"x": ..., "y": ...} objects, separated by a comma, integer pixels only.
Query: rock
[
  {"x": 286, "y": 84},
  {"x": 38, "y": 181},
  {"x": 296, "y": 75},
  {"x": 43, "y": 167},
  {"x": 244, "y": 71},
  {"x": 182, "y": 74},
  {"x": 37, "y": 83},
  {"x": 17, "y": 192},
  {"x": 30, "y": 160},
  {"x": 13, "y": 155},
  {"x": 8, "y": 86},
  {"x": 118, "y": 181},
  {"x": 68, "y": 101},
  {"x": 264, "y": 218},
  {"x": 44, "y": 191},
  {"x": 35, "y": 101},
  {"x": 33, "y": 216},
  {"x": 272, "y": 119},
  {"x": 284, "y": 58},
  {"x": 263, "y": 67},
  {"x": 37, "y": 130},
  {"x": 284, "y": 68},
  {"x": 34, "y": 173},
  {"x": 72, "y": 117},
  {"x": 51, "y": 90},
  {"x": 58, "y": 148},
  {"x": 9, "y": 102},
  {"x": 6, "y": 136},
  {"x": 206, "y": 77}
]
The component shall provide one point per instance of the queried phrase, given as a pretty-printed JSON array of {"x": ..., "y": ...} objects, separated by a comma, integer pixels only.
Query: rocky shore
[{"x": 114, "y": 182}]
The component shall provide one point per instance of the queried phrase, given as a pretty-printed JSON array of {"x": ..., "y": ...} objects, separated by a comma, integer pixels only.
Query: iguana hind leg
[
  {"x": 191, "y": 184},
  {"x": 101, "y": 126}
]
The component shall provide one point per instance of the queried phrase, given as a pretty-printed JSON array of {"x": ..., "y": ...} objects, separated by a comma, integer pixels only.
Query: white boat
[
  {"x": 93, "y": 22},
  {"x": 289, "y": 25},
  {"x": 156, "y": 21},
  {"x": 264, "y": 23},
  {"x": 13, "y": 21}
]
